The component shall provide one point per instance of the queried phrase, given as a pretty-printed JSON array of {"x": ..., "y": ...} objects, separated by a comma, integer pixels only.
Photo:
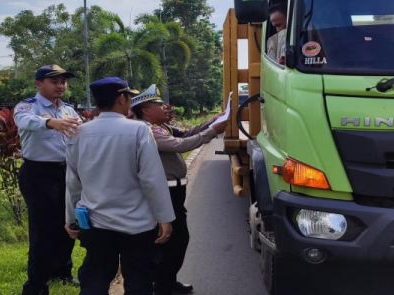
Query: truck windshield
[{"x": 346, "y": 37}]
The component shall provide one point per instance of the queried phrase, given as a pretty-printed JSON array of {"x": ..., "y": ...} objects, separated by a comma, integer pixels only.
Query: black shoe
[
  {"x": 157, "y": 290},
  {"x": 67, "y": 281},
  {"x": 180, "y": 288}
]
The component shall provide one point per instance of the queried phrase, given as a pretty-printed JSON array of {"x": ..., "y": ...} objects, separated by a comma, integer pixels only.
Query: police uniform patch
[
  {"x": 160, "y": 131},
  {"x": 23, "y": 107}
]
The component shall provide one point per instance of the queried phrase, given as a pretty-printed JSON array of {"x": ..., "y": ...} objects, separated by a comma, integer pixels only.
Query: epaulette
[
  {"x": 69, "y": 104},
  {"x": 30, "y": 100}
]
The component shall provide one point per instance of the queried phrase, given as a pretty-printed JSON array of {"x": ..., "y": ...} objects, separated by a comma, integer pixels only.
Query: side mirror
[{"x": 251, "y": 11}]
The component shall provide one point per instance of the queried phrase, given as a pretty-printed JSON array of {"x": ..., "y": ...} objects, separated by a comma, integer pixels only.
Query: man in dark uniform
[
  {"x": 171, "y": 142},
  {"x": 42, "y": 123}
]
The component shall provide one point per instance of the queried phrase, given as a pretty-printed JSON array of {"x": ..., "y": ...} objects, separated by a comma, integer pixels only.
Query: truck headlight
[{"x": 321, "y": 225}]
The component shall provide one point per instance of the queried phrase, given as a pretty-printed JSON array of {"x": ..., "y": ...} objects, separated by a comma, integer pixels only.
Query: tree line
[{"x": 176, "y": 47}]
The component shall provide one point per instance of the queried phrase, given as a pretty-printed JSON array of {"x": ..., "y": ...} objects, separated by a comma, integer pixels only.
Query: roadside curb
[{"x": 190, "y": 159}]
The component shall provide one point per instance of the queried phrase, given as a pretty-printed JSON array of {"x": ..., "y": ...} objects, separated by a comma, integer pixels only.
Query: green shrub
[
  {"x": 10, "y": 231},
  {"x": 10, "y": 197},
  {"x": 178, "y": 111}
]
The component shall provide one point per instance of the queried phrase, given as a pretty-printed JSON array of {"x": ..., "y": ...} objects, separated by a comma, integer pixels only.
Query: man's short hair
[{"x": 280, "y": 7}]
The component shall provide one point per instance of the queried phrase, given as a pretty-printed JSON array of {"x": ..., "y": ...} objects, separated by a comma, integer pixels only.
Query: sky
[{"x": 126, "y": 9}]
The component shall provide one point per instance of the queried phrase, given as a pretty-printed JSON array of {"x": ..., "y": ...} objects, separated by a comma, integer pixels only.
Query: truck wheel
[
  {"x": 284, "y": 276},
  {"x": 280, "y": 275},
  {"x": 267, "y": 268}
]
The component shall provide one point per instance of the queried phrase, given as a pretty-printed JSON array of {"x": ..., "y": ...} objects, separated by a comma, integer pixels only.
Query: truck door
[{"x": 274, "y": 73}]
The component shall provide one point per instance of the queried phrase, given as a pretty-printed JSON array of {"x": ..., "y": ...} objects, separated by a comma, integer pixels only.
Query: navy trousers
[
  {"x": 105, "y": 249},
  {"x": 172, "y": 254},
  {"x": 42, "y": 185}
]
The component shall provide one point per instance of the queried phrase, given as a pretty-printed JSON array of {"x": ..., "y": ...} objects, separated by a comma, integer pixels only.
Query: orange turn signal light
[{"x": 297, "y": 173}]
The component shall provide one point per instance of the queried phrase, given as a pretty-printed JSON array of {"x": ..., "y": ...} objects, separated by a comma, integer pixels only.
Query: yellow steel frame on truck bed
[{"x": 234, "y": 144}]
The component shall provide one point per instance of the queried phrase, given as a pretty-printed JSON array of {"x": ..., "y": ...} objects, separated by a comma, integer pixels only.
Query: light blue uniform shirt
[
  {"x": 38, "y": 142},
  {"x": 114, "y": 170}
]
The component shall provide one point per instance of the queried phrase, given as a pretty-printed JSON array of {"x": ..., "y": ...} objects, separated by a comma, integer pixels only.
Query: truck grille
[
  {"x": 374, "y": 201},
  {"x": 368, "y": 158}
]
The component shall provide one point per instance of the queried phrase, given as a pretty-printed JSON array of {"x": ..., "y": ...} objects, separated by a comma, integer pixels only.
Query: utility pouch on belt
[{"x": 82, "y": 217}]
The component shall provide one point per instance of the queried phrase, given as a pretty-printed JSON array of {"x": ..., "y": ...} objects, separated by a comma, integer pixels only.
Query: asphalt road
[{"x": 219, "y": 260}]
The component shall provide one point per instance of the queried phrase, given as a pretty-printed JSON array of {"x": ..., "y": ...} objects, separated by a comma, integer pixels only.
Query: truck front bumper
[{"x": 374, "y": 243}]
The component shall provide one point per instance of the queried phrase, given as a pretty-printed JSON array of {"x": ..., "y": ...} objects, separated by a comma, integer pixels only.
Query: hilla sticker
[{"x": 311, "y": 49}]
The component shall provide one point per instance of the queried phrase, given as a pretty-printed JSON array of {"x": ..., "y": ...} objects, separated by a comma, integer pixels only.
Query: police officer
[
  {"x": 114, "y": 170},
  {"x": 171, "y": 142},
  {"x": 42, "y": 123}
]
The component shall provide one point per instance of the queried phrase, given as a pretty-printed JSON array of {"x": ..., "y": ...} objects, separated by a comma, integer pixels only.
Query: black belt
[{"x": 61, "y": 164}]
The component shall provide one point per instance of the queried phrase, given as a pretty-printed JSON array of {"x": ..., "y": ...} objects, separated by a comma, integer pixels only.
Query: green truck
[{"x": 320, "y": 168}]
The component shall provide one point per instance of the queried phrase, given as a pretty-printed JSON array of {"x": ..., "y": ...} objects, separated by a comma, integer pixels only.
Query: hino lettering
[{"x": 367, "y": 121}]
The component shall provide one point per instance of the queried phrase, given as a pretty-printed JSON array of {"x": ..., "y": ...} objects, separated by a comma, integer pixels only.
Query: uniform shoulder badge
[{"x": 25, "y": 105}]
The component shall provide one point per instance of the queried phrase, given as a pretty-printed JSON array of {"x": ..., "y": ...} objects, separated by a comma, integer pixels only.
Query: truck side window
[{"x": 276, "y": 31}]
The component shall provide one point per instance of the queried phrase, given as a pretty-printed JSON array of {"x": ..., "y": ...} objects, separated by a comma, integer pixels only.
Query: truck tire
[
  {"x": 267, "y": 268},
  {"x": 281, "y": 276}
]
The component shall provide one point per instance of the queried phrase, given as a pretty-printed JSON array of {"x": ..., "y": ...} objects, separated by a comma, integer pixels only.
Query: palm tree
[
  {"x": 169, "y": 42},
  {"x": 121, "y": 51}
]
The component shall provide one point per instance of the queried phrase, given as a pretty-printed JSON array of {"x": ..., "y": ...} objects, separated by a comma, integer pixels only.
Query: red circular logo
[{"x": 311, "y": 49}]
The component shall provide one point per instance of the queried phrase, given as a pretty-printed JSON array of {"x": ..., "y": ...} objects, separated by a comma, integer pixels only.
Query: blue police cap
[
  {"x": 151, "y": 94},
  {"x": 111, "y": 86},
  {"x": 50, "y": 71}
]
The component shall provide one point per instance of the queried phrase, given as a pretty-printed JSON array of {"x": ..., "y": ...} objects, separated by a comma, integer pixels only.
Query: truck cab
[{"x": 322, "y": 165}]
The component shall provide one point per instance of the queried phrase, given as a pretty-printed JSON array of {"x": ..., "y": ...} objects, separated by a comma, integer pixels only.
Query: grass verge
[{"x": 13, "y": 263}]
